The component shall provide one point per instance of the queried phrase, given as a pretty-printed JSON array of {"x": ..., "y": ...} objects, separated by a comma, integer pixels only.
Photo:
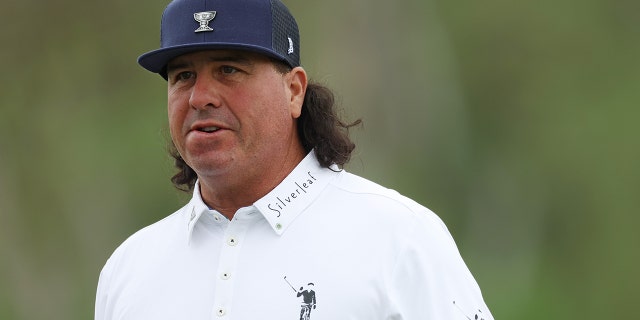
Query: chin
[{"x": 207, "y": 165}]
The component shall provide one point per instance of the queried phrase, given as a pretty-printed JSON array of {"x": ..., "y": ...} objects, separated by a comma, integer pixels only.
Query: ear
[{"x": 297, "y": 86}]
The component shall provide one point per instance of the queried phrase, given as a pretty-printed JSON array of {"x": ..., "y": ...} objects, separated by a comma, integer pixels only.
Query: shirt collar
[
  {"x": 196, "y": 208},
  {"x": 295, "y": 193},
  {"x": 286, "y": 201}
]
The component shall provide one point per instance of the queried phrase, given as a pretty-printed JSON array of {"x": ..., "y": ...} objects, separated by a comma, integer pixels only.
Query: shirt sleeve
[
  {"x": 102, "y": 294},
  {"x": 430, "y": 280}
]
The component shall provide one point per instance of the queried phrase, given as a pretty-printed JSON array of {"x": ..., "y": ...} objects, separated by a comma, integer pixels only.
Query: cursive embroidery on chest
[
  {"x": 298, "y": 189},
  {"x": 308, "y": 295}
]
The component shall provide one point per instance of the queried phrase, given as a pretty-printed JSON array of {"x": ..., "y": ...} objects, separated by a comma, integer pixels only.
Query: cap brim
[{"x": 156, "y": 60}]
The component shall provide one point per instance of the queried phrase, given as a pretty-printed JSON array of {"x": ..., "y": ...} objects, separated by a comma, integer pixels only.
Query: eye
[
  {"x": 185, "y": 75},
  {"x": 228, "y": 70}
]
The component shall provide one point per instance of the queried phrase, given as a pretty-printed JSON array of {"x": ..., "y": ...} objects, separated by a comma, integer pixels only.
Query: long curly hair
[{"x": 319, "y": 128}]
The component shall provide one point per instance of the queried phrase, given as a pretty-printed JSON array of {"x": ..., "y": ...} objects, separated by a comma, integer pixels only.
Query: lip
[{"x": 198, "y": 126}]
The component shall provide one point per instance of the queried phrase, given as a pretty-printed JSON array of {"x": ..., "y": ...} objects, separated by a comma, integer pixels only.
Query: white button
[
  {"x": 232, "y": 241},
  {"x": 193, "y": 215},
  {"x": 225, "y": 276},
  {"x": 278, "y": 226},
  {"x": 220, "y": 312},
  {"x": 216, "y": 218}
]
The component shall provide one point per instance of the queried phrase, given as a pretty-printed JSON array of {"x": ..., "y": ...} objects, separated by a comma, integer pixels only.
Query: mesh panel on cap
[{"x": 284, "y": 27}]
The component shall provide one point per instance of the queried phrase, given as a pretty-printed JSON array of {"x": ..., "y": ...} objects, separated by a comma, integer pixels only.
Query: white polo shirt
[{"x": 323, "y": 245}]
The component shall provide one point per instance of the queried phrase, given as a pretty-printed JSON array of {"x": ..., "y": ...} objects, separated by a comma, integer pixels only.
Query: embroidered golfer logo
[
  {"x": 308, "y": 299},
  {"x": 204, "y": 18}
]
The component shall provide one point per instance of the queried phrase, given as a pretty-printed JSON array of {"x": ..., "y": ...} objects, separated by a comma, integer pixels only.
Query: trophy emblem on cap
[{"x": 204, "y": 18}]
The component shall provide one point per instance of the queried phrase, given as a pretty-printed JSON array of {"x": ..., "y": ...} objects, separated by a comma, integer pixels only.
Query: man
[
  {"x": 308, "y": 301},
  {"x": 262, "y": 150}
]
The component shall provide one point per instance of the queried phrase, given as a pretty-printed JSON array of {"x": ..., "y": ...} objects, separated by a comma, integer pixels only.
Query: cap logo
[
  {"x": 204, "y": 18},
  {"x": 290, "y": 50}
]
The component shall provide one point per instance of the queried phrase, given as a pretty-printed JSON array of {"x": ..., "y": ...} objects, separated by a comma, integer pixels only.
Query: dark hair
[{"x": 319, "y": 128}]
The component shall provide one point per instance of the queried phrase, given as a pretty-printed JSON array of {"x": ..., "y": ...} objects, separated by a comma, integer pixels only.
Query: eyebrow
[{"x": 232, "y": 57}]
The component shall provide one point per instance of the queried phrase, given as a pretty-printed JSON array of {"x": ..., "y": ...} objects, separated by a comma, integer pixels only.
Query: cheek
[
  {"x": 274, "y": 123},
  {"x": 172, "y": 117},
  {"x": 176, "y": 116}
]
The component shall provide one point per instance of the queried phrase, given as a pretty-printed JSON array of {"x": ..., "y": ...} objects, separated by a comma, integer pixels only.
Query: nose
[{"x": 204, "y": 93}]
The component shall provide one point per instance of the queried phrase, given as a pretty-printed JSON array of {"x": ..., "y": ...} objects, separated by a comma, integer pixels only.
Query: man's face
[{"x": 231, "y": 113}]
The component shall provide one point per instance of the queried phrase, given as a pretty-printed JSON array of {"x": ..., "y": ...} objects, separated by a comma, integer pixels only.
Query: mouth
[{"x": 208, "y": 129}]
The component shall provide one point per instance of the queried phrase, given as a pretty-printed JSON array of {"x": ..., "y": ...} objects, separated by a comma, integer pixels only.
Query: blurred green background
[{"x": 515, "y": 121}]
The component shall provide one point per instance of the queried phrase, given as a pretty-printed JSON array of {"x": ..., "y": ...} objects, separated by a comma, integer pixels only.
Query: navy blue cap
[{"x": 263, "y": 26}]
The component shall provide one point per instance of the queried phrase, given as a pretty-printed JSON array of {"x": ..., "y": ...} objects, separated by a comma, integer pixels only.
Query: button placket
[{"x": 229, "y": 253}]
